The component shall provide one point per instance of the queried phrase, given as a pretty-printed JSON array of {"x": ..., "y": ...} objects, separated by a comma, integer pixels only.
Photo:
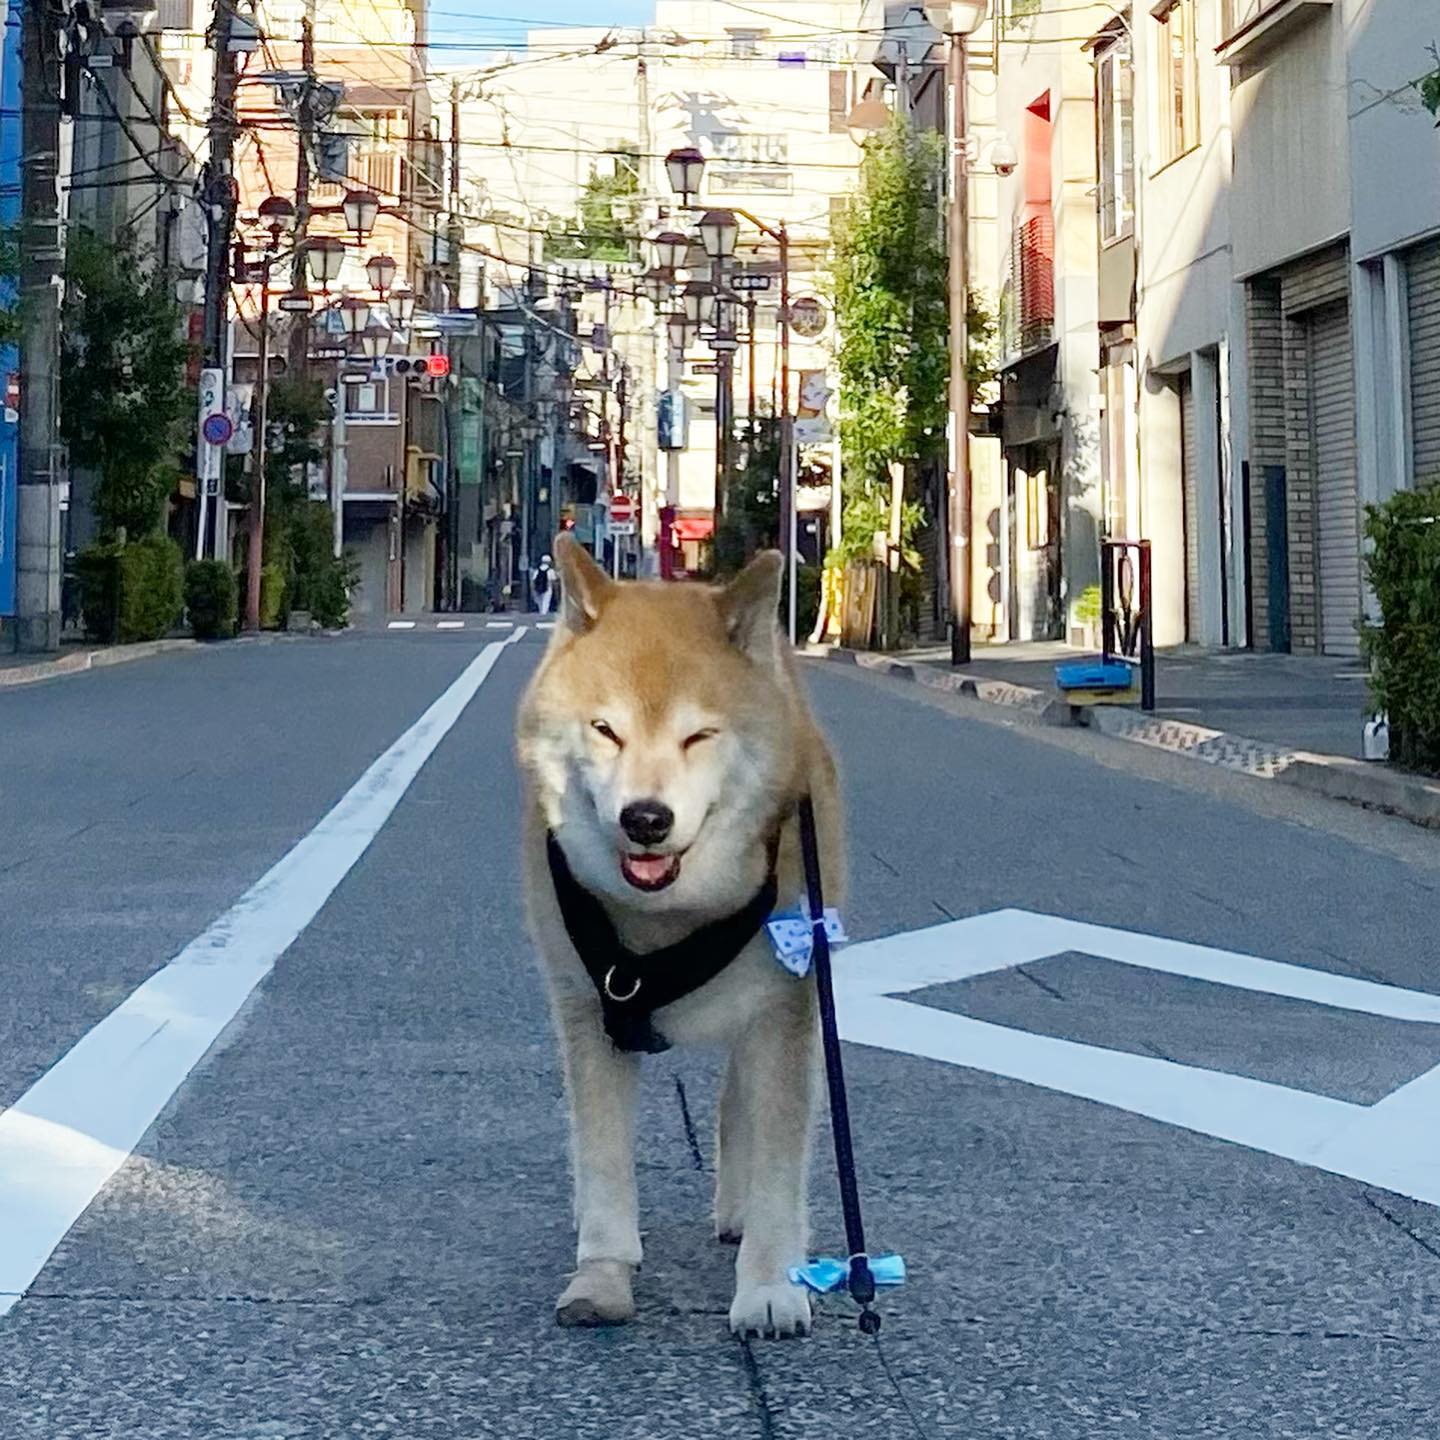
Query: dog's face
[{"x": 660, "y": 734}]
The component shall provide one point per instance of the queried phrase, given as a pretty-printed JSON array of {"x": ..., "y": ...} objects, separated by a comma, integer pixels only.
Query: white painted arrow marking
[{"x": 1391, "y": 1143}]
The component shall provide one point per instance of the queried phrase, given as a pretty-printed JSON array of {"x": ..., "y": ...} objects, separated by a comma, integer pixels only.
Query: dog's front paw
[
  {"x": 599, "y": 1294},
  {"x": 776, "y": 1311}
]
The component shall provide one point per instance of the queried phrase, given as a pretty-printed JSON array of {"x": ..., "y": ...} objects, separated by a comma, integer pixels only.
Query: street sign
[
  {"x": 297, "y": 302},
  {"x": 807, "y": 317},
  {"x": 749, "y": 282},
  {"x": 217, "y": 429},
  {"x": 622, "y": 527},
  {"x": 622, "y": 509},
  {"x": 209, "y": 460},
  {"x": 329, "y": 352},
  {"x": 704, "y": 367}
]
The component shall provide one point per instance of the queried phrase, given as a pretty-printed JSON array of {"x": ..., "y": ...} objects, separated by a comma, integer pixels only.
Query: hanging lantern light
[
  {"x": 326, "y": 256},
  {"x": 381, "y": 270},
  {"x": 361, "y": 209}
]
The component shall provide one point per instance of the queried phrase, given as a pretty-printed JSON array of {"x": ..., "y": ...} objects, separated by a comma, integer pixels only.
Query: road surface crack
[
  {"x": 764, "y": 1413},
  {"x": 1040, "y": 984},
  {"x": 691, "y": 1138},
  {"x": 1428, "y": 1246}
]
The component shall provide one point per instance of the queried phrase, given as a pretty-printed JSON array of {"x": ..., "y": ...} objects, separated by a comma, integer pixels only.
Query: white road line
[
  {"x": 449, "y": 624},
  {"x": 499, "y": 624},
  {"x": 545, "y": 625},
  {"x": 1389, "y": 1143},
  {"x": 61, "y": 1142},
  {"x": 402, "y": 625}
]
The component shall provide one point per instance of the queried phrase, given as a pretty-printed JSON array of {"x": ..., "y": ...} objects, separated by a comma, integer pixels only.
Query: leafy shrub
[
  {"x": 130, "y": 591},
  {"x": 211, "y": 597},
  {"x": 1403, "y": 568},
  {"x": 274, "y": 601},
  {"x": 1088, "y": 605},
  {"x": 322, "y": 581}
]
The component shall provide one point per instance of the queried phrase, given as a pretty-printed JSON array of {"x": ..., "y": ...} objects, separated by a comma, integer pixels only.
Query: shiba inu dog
[{"x": 665, "y": 744}]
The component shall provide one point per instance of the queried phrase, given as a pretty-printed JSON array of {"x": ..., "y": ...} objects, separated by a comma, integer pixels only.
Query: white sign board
[{"x": 1390, "y": 1143}]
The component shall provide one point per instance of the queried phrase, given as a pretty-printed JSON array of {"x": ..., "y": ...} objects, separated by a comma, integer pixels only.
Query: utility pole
[
  {"x": 958, "y": 509},
  {"x": 222, "y": 198},
  {"x": 298, "y": 355},
  {"x": 38, "y": 519}
]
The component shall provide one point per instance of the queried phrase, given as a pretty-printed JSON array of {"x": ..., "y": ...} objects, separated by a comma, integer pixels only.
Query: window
[
  {"x": 1178, "y": 81},
  {"x": 750, "y": 164},
  {"x": 1115, "y": 106},
  {"x": 745, "y": 44},
  {"x": 369, "y": 403}
]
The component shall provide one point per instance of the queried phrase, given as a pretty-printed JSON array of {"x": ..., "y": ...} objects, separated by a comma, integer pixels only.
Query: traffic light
[{"x": 418, "y": 367}]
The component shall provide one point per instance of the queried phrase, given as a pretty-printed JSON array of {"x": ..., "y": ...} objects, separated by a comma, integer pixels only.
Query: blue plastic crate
[{"x": 1094, "y": 675}]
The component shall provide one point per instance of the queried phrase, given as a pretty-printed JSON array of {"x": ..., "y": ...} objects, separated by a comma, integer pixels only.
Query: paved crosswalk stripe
[
  {"x": 499, "y": 624},
  {"x": 75, "y": 1126},
  {"x": 449, "y": 624},
  {"x": 402, "y": 625},
  {"x": 1389, "y": 1143}
]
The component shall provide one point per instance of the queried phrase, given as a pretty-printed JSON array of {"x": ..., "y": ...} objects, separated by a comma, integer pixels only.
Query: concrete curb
[
  {"x": 106, "y": 655},
  {"x": 1374, "y": 787}
]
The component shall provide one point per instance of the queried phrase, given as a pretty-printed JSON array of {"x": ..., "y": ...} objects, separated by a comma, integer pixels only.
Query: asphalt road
[{"x": 352, "y": 1218}]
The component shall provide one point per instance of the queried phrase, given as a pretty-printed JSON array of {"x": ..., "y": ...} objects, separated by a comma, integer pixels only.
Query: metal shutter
[
  {"x": 1332, "y": 428},
  {"x": 1191, "y": 496},
  {"x": 1422, "y": 274}
]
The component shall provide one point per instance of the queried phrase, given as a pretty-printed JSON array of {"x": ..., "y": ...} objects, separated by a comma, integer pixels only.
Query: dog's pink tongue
[{"x": 648, "y": 869}]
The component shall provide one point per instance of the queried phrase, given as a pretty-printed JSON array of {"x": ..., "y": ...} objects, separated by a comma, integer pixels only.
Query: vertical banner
[{"x": 9, "y": 354}]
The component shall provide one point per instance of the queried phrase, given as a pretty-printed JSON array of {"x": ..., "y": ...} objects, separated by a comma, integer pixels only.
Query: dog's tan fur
[{"x": 658, "y": 665}]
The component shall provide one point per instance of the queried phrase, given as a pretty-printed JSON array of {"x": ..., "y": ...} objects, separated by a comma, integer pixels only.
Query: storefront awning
[{"x": 694, "y": 527}]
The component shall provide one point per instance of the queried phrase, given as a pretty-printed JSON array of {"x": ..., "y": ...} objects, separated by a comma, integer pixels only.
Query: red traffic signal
[{"x": 437, "y": 365}]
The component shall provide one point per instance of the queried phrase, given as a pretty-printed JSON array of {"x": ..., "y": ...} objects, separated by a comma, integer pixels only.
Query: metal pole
[
  {"x": 787, "y": 430},
  {"x": 958, "y": 496},
  {"x": 299, "y": 339},
  {"x": 752, "y": 422},
  {"x": 259, "y": 451},
  {"x": 38, "y": 558},
  {"x": 339, "y": 468}
]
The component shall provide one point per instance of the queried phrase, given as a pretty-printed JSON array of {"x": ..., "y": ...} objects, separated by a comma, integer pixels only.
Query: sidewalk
[
  {"x": 1292, "y": 718},
  {"x": 1299, "y": 702}
]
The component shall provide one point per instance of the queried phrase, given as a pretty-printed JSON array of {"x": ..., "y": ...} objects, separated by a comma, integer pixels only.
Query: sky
[{"x": 508, "y": 20}]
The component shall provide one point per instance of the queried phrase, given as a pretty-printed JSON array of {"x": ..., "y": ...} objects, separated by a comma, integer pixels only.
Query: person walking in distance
[{"x": 542, "y": 585}]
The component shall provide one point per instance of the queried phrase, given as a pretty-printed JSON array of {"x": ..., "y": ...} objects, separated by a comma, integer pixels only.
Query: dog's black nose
[{"x": 647, "y": 822}]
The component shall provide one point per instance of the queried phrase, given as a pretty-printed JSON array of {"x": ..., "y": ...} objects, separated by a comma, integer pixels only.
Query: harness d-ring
[{"x": 620, "y": 999}]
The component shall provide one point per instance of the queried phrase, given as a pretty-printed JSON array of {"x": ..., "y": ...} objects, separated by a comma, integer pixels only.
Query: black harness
[{"x": 633, "y": 987}]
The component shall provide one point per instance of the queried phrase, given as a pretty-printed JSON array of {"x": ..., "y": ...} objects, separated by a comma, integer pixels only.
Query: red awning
[{"x": 699, "y": 527}]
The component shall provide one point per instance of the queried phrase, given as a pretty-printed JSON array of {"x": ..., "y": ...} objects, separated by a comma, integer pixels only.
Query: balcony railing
[
  {"x": 1028, "y": 305},
  {"x": 375, "y": 170}
]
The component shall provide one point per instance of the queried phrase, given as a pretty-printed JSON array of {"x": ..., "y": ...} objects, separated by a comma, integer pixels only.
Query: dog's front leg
[
  {"x": 776, "y": 1064},
  {"x": 602, "y": 1083}
]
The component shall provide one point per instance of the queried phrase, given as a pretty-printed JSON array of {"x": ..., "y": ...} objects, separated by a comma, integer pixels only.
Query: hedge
[
  {"x": 211, "y": 598},
  {"x": 1403, "y": 568},
  {"x": 131, "y": 590}
]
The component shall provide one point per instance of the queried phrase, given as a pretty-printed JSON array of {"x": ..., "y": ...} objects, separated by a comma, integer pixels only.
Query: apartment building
[{"x": 765, "y": 97}]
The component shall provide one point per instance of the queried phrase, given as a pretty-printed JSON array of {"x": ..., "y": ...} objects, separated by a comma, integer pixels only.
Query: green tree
[
  {"x": 123, "y": 397},
  {"x": 604, "y": 227},
  {"x": 890, "y": 309},
  {"x": 10, "y": 324}
]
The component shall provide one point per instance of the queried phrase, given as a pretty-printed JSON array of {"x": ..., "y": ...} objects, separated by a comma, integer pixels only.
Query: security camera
[{"x": 1003, "y": 157}]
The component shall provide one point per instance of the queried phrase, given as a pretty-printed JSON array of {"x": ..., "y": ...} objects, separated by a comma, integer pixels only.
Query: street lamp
[
  {"x": 668, "y": 249},
  {"x": 277, "y": 215},
  {"x": 867, "y": 119},
  {"x": 698, "y": 299},
  {"x": 685, "y": 167},
  {"x": 681, "y": 331},
  {"x": 402, "y": 305},
  {"x": 326, "y": 257},
  {"x": 958, "y": 19},
  {"x": 718, "y": 232},
  {"x": 374, "y": 341},
  {"x": 361, "y": 209},
  {"x": 354, "y": 316},
  {"x": 655, "y": 286},
  {"x": 381, "y": 271}
]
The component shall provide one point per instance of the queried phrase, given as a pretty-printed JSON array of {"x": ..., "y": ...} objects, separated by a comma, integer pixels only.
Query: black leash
[{"x": 862, "y": 1282}]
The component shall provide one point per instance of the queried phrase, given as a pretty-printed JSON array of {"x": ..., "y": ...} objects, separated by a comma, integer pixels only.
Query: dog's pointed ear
[
  {"x": 750, "y": 606},
  {"x": 584, "y": 586}
]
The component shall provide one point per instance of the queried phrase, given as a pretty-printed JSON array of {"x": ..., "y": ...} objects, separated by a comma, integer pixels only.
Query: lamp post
[
  {"x": 686, "y": 169},
  {"x": 380, "y": 269},
  {"x": 277, "y": 218},
  {"x": 958, "y": 19}
]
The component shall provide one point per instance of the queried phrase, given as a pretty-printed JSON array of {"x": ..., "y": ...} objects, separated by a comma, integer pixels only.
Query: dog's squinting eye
[
  {"x": 601, "y": 728},
  {"x": 698, "y": 738}
]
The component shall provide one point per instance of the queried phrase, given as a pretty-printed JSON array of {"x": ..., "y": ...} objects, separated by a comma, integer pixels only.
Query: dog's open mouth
[{"x": 650, "y": 872}]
